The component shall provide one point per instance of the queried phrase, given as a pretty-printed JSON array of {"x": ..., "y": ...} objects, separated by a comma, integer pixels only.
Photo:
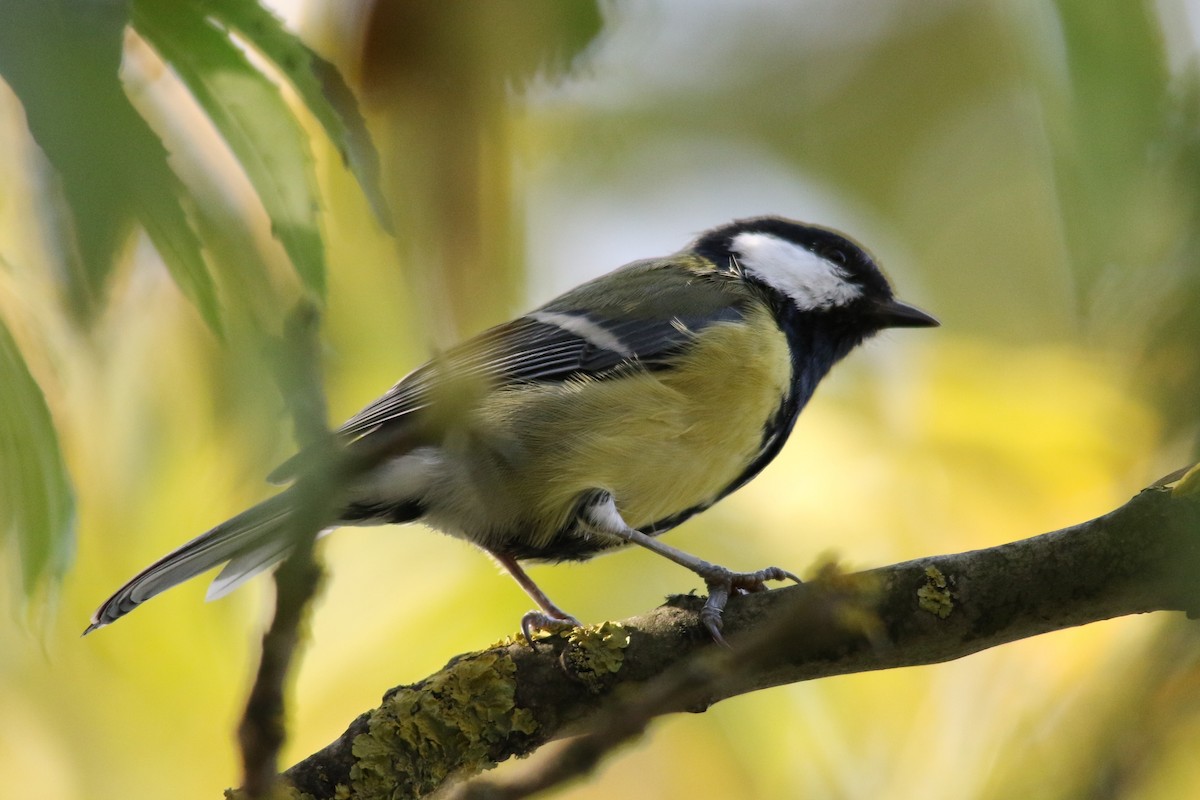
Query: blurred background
[{"x": 1028, "y": 172}]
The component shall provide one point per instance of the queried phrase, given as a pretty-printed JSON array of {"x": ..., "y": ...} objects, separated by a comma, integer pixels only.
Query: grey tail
[{"x": 253, "y": 540}]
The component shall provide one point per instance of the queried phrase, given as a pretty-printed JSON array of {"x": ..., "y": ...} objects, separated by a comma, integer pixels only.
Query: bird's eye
[{"x": 836, "y": 256}]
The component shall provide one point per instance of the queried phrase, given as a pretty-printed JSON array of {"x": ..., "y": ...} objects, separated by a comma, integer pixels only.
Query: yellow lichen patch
[
  {"x": 508, "y": 641},
  {"x": 934, "y": 595},
  {"x": 596, "y": 652},
  {"x": 452, "y": 721},
  {"x": 540, "y": 634}
]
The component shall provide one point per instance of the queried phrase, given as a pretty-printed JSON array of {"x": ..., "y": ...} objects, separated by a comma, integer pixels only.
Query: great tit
[{"x": 604, "y": 418}]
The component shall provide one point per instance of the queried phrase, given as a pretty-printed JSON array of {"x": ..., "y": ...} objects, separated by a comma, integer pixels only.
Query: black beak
[{"x": 895, "y": 314}]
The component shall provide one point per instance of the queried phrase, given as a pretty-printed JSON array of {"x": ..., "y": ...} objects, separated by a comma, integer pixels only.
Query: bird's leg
[
  {"x": 602, "y": 516},
  {"x": 551, "y": 617}
]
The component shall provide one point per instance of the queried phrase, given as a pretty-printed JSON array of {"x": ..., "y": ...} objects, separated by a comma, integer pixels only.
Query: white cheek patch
[{"x": 809, "y": 280}]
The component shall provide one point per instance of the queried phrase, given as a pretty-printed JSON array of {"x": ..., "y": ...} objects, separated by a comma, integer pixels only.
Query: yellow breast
[{"x": 660, "y": 442}]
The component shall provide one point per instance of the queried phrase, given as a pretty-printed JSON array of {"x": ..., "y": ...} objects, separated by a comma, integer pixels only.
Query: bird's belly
[{"x": 660, "y": 442}]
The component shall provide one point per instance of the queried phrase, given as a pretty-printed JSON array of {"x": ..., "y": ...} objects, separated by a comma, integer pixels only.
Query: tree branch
[
  {"x": 261, "y": 731},
  {"x": 510, "y": 699}
]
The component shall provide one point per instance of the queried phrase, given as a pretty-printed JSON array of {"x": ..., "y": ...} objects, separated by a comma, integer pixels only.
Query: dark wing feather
[
  {"x": 628, "y": 330},
  {"x": 527, "y": 351}
]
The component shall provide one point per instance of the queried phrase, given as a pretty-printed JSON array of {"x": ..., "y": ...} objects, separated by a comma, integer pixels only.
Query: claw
[
  {"x": 601, "y": 515},
  {"x": 551, "y": 617},
  {"x": 541, "y": 621},
  {"x": 722, "y": 583},
  {"x": 710, "y": 615},
  {"x": 747, "y": 582}
]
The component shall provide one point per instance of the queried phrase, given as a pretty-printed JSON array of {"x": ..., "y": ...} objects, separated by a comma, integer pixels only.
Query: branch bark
[
  {"x": 261, "y": 732},
  {"x": 606, "y": 682}
]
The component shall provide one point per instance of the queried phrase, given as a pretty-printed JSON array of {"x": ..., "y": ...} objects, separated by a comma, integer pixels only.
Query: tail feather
[
  {"x": 245, "y": 566},
  {"x": 254, "y": 535}
]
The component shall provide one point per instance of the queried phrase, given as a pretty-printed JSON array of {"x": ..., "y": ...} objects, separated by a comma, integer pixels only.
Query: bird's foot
[
  {"x": 602, "y": 515},
  {"x": 722, "y": 583},
  {"x": 541, "y": 621}
]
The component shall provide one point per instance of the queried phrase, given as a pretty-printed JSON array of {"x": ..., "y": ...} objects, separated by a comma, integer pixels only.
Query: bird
[{"x": 600, "y": 420}]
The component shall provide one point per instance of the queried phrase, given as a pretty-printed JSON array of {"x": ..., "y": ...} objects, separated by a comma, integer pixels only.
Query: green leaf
[
  {"x": 37, "y": 507},
  {"x": 252, "y": 116},
  {"x": 1110, "y": 129},
  {"x": 319, "y": 85},
  {"x": 176, "y": 240},
  {"x": 62, "y": 60}
]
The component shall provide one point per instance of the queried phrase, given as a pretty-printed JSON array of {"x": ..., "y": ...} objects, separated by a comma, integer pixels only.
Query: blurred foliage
[
  {"x": 441, "y": 78},
  {"x": 1028, "y": 172},
  {"x": 62, "y": 60},
  {"x": 1125, "y": 138},
  {"x": 36, "y": 501}
]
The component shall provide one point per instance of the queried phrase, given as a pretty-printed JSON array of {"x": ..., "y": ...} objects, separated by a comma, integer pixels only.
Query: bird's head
[{"x": 816, "y": 271}]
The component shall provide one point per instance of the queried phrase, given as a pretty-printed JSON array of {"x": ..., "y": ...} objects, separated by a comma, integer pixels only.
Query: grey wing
[{"x": 556, "y": 343}]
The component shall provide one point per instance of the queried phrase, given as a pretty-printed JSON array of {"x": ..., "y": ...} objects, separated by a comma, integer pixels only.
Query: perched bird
[{"x": 604, "y": 418}]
